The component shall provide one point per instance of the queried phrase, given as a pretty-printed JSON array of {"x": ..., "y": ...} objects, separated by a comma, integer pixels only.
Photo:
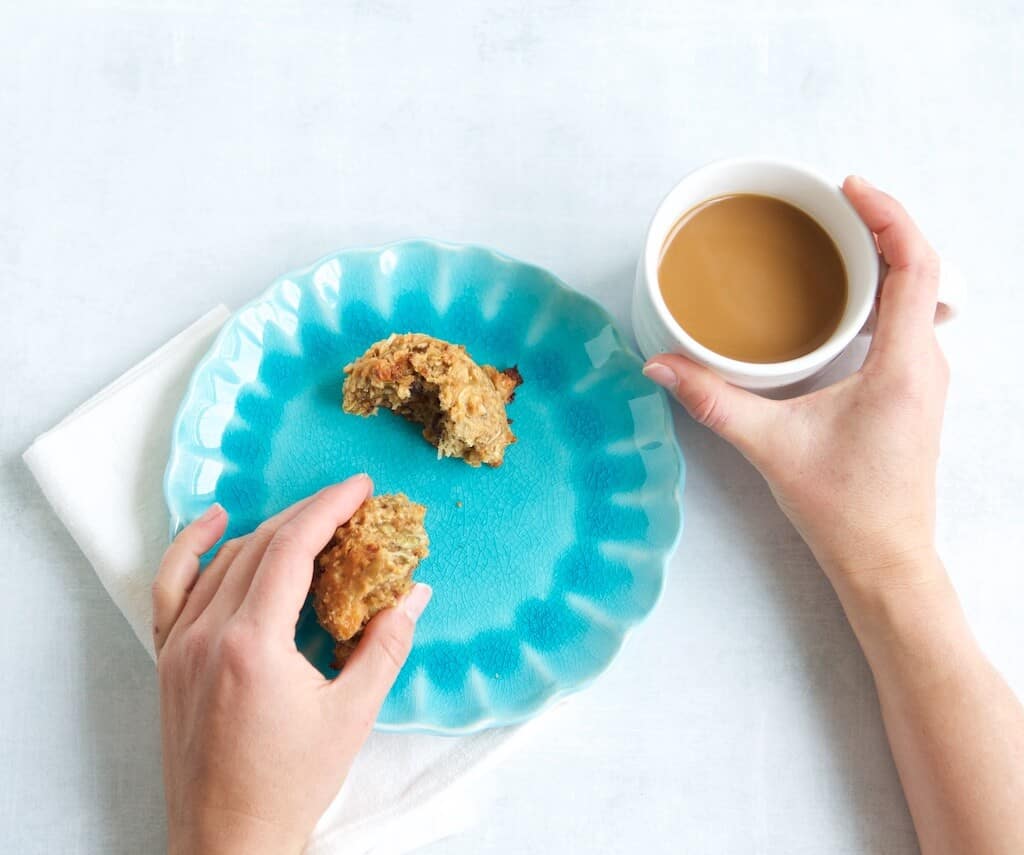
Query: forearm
[{"x": 955, "y": 728}]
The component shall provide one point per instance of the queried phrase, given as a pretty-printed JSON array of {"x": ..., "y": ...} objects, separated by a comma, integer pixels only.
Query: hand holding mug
[{"x": 852, "y": 465}]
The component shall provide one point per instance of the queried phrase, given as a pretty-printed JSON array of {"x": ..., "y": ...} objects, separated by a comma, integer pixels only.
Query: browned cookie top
[{"x": 460, "y": 404}]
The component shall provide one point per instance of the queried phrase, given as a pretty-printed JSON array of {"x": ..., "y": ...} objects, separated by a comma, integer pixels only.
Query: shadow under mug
[{"x": 657, "y": 331}]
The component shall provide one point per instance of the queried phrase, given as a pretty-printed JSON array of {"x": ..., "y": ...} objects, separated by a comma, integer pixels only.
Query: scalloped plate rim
[{"x": 545, "y": 701}]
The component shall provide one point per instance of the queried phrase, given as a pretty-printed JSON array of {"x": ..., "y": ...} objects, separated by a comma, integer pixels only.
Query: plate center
[{"x": 495, "y": 534}]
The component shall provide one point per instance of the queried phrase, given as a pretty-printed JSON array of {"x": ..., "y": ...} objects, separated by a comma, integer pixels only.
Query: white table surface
[{"x": 158, "y": 158}]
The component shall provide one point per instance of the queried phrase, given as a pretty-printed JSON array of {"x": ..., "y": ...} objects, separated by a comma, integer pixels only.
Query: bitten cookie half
[
  {"x": 367, "y": 567},
  {"x": 460, "y": 404}
]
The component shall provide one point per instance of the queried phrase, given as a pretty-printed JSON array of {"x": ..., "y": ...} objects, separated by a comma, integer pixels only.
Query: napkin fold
[{"x": 102, "y": 468}]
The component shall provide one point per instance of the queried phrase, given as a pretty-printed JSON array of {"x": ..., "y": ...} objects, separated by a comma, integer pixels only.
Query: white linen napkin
[{"x": 101, "y": 469}]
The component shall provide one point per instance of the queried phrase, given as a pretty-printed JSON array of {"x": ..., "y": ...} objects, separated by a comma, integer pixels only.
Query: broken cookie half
[
  {"x": 460, "y": 404},
  {"x": 367, "y": 567}
]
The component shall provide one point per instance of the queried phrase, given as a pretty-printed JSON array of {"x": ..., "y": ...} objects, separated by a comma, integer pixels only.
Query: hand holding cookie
[{"x": 234, "y": 687}]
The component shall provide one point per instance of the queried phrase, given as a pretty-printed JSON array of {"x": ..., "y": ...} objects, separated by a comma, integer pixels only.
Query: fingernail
[
  {"x": 863, "y": 181},
  {"x": 660, "y": 374},
  {"x": 416, "y": 601},
  {"x": 211, "y": 513}
]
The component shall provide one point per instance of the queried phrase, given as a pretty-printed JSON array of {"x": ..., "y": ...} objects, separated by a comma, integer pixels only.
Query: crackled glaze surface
[{"x": 539, "y": 567}]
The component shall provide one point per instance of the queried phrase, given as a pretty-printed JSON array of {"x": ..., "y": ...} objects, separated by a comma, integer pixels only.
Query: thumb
[
  {"x": 738, "y": 416},
  {"x": 373, "y": 667}
]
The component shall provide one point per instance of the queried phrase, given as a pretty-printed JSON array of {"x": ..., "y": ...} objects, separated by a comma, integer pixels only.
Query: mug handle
[{"x": 952, "y": 289}]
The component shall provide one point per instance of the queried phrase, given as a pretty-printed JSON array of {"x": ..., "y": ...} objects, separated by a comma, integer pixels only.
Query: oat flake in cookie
[
  {"x": 460, "y": 404},
  {"x": 367, "y": 567}
]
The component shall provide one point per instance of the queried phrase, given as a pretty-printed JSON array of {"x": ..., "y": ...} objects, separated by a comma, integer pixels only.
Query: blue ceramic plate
[{"x": 540, "y": 567}]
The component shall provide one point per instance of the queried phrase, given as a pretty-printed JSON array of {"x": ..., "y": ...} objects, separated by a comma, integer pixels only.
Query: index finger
[
  {"x": 906, "y": 308},
  {"x": 282, "y": 579},
  {"x": 179, "y": 569}
]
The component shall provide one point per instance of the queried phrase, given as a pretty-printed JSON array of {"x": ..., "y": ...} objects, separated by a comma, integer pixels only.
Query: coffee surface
[{"x": 753, "y": 278}]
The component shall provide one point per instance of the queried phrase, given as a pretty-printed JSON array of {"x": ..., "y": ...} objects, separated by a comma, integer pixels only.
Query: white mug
[{"x": 658, "y": 332}]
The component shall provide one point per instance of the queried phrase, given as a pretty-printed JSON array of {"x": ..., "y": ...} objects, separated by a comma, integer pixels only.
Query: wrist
[
  {"x": 869, "y": 566},
  {"x": 232, "y": 833},
  {"x": 908, "y": 619}
]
